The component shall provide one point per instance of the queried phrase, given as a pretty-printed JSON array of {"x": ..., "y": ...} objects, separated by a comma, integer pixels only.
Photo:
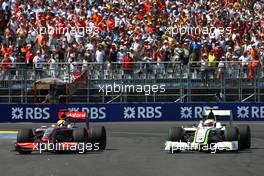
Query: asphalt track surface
[{"x": 134, "y": 149}]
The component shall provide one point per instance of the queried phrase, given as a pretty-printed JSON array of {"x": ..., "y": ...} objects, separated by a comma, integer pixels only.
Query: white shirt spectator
[
  {"x": 120, "y": 56},
  {"x": 69, "y": 37},
  {"x": 13, "y": 60},
  {"x": 244, "y": 60},
  {"x": 99, "y": 56},
  {"x": 204, "y": 65},
  {"x": 5, "y": 5},
  {"x": 90, "y": 46},
  {"x": 117, "y": 21},
  {"x": 14, "y": 26},
  {"x": 52, "y": 64},
  {"x": 37, "y": 60},
  {"x": 32, "y": 36},
  {"x": 136, "y": 46}
]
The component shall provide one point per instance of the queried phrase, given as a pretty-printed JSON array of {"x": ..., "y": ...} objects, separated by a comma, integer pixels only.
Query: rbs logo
[
  {"x": 142, "y": 112},
  {"x": 30, "y": 113}
]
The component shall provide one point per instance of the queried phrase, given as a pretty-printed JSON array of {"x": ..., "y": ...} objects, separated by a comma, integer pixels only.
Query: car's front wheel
[
  {"x": 175, "y": 134},
  {"x": 25, "y": 135},
  {"x": 231, "y": 133}
]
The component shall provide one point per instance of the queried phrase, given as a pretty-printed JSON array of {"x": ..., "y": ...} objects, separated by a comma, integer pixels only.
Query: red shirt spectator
[
  {"x": 253, "y": 68},
  {"x": 160, "y": 5},
  {"x": 127, "y": 63},
  {"x": 146, "y": 7},
  {"x": 6, "y": 51},
  {"x": 218, "y": 52},
  {"x": 29, "y": 54},
  {"x": 110, "y": 24},
  {"x": 5, "y": 66}
]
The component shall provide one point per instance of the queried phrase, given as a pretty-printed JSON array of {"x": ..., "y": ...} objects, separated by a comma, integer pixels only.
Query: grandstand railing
[{"x": 230, "y": 81}]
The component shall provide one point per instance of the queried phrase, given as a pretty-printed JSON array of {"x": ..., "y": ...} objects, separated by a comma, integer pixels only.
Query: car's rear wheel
[
  {"x": 244, "y": 136},
  {"x": 79, "y": 135},
  {"x": 175, "y": 134},
  {"x": 231, "y": 133},
  {"x": 25, "y": 135},
  {"x": 98, "y": 137}
]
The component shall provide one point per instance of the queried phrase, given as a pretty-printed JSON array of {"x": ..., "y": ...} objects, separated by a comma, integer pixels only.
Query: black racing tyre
[
  {"x": 244, "y": 141},
  {"x": 79, "y": 135},
  {"x": 175, "y": 134},
  {"x": 24, "y": 152},
  {"x": 98, "y": 135},
  {"x": 231, "y": 133},
  {"x": 25, "y": 135}
]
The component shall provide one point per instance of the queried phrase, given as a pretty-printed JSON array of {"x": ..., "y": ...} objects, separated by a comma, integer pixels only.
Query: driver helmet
[
  {"x": 209, "y": 123},
  {"x": 61, "y": 123},
  {"x": 63, "y": 116}
]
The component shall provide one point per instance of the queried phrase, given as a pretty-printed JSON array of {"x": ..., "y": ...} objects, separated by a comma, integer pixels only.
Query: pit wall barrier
[{"x": 129, "y": 112}]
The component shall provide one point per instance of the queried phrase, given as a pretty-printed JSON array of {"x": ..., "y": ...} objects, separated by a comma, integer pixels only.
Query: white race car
[{"x": 210, "y": 135}]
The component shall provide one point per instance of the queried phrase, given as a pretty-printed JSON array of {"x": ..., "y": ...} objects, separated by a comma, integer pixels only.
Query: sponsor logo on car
[{"x": 93, "y": 112}]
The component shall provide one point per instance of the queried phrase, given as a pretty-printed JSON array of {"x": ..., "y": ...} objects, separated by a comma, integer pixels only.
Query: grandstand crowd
[{"x": 201, "y": 34}]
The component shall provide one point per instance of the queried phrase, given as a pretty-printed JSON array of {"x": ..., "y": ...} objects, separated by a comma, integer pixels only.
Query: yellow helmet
[{"x": 60, "y": 123}]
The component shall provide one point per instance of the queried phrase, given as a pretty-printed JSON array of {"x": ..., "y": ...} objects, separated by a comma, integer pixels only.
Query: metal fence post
[
  {"x": 224, "y": 83},
  {"x": 9, "y": 86}
]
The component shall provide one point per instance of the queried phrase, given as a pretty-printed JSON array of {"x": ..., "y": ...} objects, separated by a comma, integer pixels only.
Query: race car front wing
[
  {"x": 174, "y": 147},
  {"x": 63, "y": 146}
]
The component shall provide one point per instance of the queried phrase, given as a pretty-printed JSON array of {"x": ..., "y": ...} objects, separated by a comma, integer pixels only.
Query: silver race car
[{"x": 210, "y": 135}]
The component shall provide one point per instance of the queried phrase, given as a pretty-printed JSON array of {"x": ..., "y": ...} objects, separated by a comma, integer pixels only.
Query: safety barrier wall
[{"x": 129, "y": 112}]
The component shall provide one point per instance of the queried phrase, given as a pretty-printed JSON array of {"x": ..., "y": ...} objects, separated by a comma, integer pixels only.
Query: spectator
[
  {"x": 204, "y": 69},
  {"x": 52, "y": 66},
  {"x": 235, "y": 67},
  {"x": 245, "y": 60},
  {"x": 29, "y": 55},
  {"x": 121, "y": 54},
  {"x": 254, "y": 68},
  {"x": 128, "y": 65},
  {"x": 100, "y": 54},
  {"x": 38, "y": 61},
  {"x": 219, "y": 97},
  {"x": 6, "y": 50},
  {"x": 13, "y": 70},
  {"x": 221, "y": 69},
  {"x": 5, "y": 67},
  {"x": 211, "y": 63}
]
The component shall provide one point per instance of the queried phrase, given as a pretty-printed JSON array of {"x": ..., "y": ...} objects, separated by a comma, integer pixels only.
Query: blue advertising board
[{"x": 129, "y": 111}]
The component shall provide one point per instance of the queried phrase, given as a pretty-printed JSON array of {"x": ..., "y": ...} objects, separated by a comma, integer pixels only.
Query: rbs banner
[{"x": 129, "y": 112}]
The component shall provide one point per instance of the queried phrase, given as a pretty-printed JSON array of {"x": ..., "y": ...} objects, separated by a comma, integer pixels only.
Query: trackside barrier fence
[{"x": 129, "y": 112}]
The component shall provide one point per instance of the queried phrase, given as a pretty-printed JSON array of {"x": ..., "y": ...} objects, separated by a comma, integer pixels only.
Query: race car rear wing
[
  {"x": 72, "y": 116},
  {"x": 221, "y": 115}
]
